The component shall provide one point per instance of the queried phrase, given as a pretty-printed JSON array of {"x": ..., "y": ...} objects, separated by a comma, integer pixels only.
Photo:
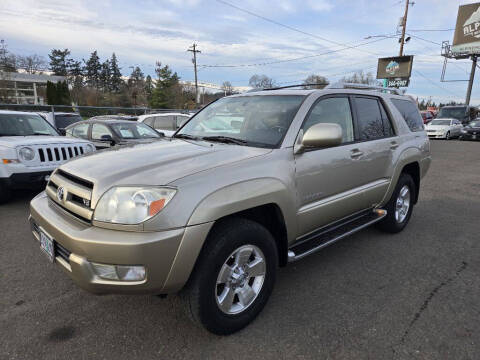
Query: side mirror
[
  {"x": 320, "y": 135},
  {"x": 107, "y": 138}
]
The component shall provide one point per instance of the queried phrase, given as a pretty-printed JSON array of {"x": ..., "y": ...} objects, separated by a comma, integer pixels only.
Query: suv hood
[
  {"x": 157, "y": 163},
  {"x": 14, "y": 141}
]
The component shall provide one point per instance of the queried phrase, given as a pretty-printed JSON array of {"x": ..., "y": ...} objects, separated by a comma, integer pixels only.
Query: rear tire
[
  {"x": 5, "y": 193},
  {"x": 225, "y": 297},
  {"x": 400, "y": 206}
]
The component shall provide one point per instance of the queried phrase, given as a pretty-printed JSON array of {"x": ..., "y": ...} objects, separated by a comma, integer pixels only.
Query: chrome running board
[{"x": 332, "y": 233}]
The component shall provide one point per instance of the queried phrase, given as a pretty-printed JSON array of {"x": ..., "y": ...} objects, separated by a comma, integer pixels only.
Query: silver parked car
[
  {"x": 444, "y": 128},
  {"x": 251, "y": 182}
]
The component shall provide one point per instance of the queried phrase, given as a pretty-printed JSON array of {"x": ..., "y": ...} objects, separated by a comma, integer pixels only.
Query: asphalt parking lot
[{"x": 414, "y": 295}]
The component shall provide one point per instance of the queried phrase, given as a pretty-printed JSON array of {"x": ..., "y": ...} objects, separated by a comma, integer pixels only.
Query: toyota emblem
[{"x": 60, "y": 193}]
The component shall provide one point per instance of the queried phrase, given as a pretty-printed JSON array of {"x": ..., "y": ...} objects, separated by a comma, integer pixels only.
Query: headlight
[
  {"x": 132, "y": 204},
  {"x": 26, "y": 153},
  {"x": 89, "y": 149},
  {"x": 463, "y": 131}
]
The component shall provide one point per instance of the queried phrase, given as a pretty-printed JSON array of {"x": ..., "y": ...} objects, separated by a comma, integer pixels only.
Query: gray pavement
[{"x": 414, "y": 295}]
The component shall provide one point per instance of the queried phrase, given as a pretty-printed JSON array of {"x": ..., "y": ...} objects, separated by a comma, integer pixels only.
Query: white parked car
[
  {"x": 30, "y": 149},
  {"x": 60, "y": 120},
  {"x": 444, "y": 128},
  {"x": 166, "y": 123}
]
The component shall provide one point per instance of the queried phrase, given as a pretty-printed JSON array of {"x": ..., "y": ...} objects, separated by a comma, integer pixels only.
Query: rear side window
[
  {"x": 370, "y": 119},
  {"x": 410, "y": 114},
  {"x": 80, "y": 131},
  {"x": 165, "y": 123}
]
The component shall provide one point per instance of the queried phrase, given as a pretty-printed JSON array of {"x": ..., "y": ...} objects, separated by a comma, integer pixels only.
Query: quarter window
[
  {"x": 410, "y": 113},
  {"x": 334, "y": 110}
]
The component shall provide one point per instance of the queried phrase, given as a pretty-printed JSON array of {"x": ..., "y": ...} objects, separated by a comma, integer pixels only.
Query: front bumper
[
  {"x": 27, "y": 180},
  {"x": 168, "y": 256},
  {"x": 437, "y": 135},
  {"x": 470, "y": 136}
]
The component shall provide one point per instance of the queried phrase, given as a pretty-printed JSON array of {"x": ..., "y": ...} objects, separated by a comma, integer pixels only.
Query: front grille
[
  {"x": 71, "y": 193},
  {"x": 59, "y": 153}
]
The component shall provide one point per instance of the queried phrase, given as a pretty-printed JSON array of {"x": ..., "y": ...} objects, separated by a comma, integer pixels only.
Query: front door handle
[
  {"x": 393, "y": 145},
  {"x": 355, "y": 153}
]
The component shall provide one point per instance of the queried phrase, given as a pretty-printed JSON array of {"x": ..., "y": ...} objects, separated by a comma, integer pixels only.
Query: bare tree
[
  {"x": 359, "y": 77},
  {"x": 261, "y": 82},
  {"x": 320, "y": 81},
  {"x": 32, "y": 64},
  {"x": 227, "y": 88}
]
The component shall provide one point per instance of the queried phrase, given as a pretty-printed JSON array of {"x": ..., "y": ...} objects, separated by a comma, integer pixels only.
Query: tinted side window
[
  {"x": 98, "y": 130},
  {"x": 370, "y": 124},
  {"x": 333, "y": 110},
  {"x": 80, "y": 131},
  {"x": 165, "y": 123},
  {"x": 410, "y": 113}
]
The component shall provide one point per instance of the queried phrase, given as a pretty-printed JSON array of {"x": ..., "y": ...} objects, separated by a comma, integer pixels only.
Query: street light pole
[{"x": 404, "y": 26}]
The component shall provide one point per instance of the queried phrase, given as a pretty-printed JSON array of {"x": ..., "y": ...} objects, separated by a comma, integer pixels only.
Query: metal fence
[{"x": 89, "y": 111}]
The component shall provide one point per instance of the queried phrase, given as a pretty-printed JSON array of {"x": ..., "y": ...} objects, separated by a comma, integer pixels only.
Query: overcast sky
[{"x": 143, "y": 31}]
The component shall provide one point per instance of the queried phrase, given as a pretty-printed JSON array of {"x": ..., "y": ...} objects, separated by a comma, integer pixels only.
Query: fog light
[{"x": 119, "y": 272}]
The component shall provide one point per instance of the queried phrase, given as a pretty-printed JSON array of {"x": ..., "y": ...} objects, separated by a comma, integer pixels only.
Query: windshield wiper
[
  {"x": 225, "y": 139},
  {"x": 37, "y": 133},
  {"x": 186, "y": 136}
]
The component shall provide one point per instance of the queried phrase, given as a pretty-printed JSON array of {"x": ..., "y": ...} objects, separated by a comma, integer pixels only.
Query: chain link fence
[{"x": 89, "y": 111}]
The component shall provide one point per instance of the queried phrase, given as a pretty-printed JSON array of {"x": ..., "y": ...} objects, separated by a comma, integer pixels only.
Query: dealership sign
[
  {"x": 467, "y": 31},
  {"x": 396, "y": 70}
]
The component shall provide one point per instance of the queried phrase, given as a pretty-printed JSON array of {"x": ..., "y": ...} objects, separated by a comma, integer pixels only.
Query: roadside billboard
[{"x": 466, "y": 39}]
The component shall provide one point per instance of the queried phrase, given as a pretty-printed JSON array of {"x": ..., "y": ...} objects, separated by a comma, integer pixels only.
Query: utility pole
[
  {"x": 194, "y": 50},
  {"x": 470, "y": 81},
  {"x": 404, "y": 25}
]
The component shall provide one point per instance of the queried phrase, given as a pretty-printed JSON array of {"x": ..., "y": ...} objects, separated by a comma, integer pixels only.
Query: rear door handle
[
  {"x": 355, "y": 153},
  {"x": 393, "y": 145}
]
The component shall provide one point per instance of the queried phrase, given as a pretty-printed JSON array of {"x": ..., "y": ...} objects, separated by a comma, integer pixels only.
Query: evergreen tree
[
  {"x": 63, "y": 93},
  {"x": 167, "y": 83},
  {"x": 51, "y": 93},
  {"x": 106, "y": 76},
  {"x": 115, "y": 75},
  {"x": 148, "y": 87},
  {"x": 58, "y": 61},
  {"x": 92, "y": 70}
]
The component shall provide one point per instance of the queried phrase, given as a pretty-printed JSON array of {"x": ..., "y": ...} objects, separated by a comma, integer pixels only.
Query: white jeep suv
[{"x": 30, "y": 149}]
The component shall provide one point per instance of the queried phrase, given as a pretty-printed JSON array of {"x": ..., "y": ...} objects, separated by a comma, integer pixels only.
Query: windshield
[
  {"x": 257, "y": 120},
  {"x": 24, "y": 125},
  {"x": 453, "y": 112},
  {"x": 440, "y": 122},
  {"x": 63, "y": 120},
  {"x": 134, "y": 131},
  {"x": 474, "y": 124}
]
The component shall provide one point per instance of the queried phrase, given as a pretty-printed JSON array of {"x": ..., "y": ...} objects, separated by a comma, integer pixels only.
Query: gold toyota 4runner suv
[{"x": 251, "y": 182}]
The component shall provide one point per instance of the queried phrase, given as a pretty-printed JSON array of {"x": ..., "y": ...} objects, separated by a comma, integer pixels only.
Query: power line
[
  {"x": 292, "y": 59},
  {"x": 426, "y": 40},
  {"x": 427, "y": 30},
  {"x": 287, "y": 26},
  {"x": 434, "y": 83}
]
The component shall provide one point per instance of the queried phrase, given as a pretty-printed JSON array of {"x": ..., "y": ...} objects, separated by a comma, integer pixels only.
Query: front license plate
[{"x": 46, "y": 244}]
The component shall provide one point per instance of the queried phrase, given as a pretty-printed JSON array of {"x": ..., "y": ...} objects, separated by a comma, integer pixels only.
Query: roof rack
[{"x": 341, "y": 85}]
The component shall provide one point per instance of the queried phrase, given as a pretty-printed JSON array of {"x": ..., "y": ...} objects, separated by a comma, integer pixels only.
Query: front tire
[
  {"x": 400, "y": 206},
  {"x": 447, "y": 136},
  {"x": 233, "y": 278}
]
